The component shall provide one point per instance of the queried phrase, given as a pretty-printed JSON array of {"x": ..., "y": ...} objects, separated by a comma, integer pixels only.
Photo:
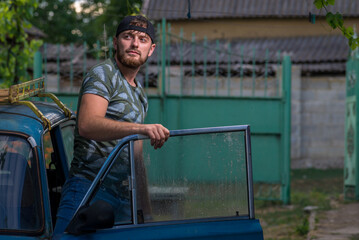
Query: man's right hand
[{"x": 157, "y": 133}]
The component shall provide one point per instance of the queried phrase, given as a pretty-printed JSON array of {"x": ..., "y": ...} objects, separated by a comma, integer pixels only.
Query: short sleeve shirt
[{"x": 125, "y": 103}]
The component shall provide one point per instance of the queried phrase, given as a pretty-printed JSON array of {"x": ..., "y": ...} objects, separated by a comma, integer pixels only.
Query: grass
[{"x": 309, "y": 187}]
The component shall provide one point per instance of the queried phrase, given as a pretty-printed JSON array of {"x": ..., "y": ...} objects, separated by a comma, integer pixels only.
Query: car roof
[{"x": 21, "y": 118}]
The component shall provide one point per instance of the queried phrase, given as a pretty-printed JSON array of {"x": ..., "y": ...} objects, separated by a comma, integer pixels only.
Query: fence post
[
  {"x": 193, "y": 55},
  {"x": 45, "y": 64},
  {"x": 229, "y": 69},
  {"x": 71, "y": 67},
  {"x": 286, "y": 130},
  {"x": 163, "y": 110},
  {"x": 58, "y": 67},
  {"x": 181, "y": 62},
  {"x": 254, "y": 72},
  {"x": 37, "y": 65},
  {"x": 351, "y": 157},
  {"x": 163, "y": 59}
]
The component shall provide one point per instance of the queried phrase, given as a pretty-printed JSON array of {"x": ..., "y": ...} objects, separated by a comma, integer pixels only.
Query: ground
[
  {"x": 341, "y": 222},
  {"x": 318, "y": 209}
]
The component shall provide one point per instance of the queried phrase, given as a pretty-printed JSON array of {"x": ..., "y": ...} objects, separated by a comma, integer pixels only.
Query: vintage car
[{"x": 197, "y": 186}]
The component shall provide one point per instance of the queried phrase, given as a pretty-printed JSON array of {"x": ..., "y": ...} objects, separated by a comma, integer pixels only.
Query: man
[{"x": 112, "y": 105}]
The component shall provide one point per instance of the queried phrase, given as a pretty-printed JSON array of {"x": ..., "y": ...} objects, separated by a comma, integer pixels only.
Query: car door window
[
  {"x": 67, "y": 132},
  {"x": 116, "y": 189},
  {"x": 20, "y": 198},
  {"x": 193, "y": 176}
]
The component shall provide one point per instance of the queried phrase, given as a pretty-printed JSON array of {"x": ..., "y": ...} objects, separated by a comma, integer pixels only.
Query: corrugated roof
[
  {"x": 206, "y": 9},
  {"x": 315, "y": 54},
  {"x": 35, "y": 32}
]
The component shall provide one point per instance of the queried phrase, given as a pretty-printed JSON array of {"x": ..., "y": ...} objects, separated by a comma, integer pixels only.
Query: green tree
[
  {"x": 336, "y": 22},
  {"x": 62, "y": 24},
  {"x": 17, "y": 51},
  {"x": 58, "y": 20},
  {"x": 97, "y": 14}
]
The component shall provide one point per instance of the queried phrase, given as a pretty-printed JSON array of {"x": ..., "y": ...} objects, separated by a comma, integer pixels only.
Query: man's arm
[{"x": 93, "y": 124}]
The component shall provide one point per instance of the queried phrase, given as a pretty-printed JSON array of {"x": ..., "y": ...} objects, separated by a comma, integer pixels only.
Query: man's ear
[
  {"x": 114, "y": 43},
  {"x": 152, "y": 49}
]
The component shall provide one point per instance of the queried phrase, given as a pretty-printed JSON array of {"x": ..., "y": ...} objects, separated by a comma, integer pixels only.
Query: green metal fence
[
  {"x": 351, "y": 159},
  {"x": 201, "y": 83}
]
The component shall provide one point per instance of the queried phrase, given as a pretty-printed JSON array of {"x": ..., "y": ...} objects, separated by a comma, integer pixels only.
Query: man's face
[{"x": 133, "y": 48}]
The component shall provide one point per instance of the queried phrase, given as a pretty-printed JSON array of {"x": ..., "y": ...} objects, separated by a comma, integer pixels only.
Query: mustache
[{"x": 133, "y": 50}]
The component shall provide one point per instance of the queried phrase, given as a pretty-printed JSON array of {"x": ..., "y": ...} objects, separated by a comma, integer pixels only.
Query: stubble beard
[{"x": 129, "y": 62}]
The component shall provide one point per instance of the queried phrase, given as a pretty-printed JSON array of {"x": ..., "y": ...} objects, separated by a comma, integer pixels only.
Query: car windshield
[
  {"x": 197, "y": 174},
  {"x": 20, "y": 200}
]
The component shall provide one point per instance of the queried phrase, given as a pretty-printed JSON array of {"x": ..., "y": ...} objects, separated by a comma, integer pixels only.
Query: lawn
[{"x": 309, "y": 187}]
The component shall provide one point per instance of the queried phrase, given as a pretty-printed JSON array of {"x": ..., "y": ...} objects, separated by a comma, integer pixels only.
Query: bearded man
[{"x": 112, "y": 105}]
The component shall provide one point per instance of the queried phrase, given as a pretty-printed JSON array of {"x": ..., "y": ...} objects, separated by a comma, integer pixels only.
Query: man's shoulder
[{"x": 105, "y": 68}]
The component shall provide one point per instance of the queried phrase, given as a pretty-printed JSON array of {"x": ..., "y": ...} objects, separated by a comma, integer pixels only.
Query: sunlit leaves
[
  {"x": 323, "y": 3},
  {"x": 335, "y": 21},
  {"x": 57, "y": 19},
  {"x": 16, "y": 52}
]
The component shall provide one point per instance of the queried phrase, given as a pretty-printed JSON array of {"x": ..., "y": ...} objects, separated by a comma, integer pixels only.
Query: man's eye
[
  {"x": 127, "y": 37},
  {"x": 144, "y": 40}
]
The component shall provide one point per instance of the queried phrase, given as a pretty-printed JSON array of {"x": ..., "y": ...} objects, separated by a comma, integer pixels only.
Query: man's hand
[{"x": 157, "y": 133}]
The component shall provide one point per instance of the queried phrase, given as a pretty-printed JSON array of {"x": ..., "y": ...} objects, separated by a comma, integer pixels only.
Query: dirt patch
[
  {"x": 329, "y": 216},
  {"x": 339, "y": 223}
]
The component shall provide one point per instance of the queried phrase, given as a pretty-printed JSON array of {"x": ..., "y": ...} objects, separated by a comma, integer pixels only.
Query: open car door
[{"x": 197, "y": 186}]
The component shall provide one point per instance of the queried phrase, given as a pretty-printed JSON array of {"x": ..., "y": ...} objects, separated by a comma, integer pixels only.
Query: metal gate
[{"x": 198, "y": 83}]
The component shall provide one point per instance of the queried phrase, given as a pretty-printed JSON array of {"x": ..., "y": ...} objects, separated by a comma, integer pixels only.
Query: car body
[{"x": 198, "y": 186}]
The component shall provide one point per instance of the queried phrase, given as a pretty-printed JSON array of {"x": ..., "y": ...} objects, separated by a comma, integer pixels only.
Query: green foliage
[
  {"x": 62, "y": 24},
  {"x": 58, "y": 20},
  {"x": 17, "y": 51},
  {"x": 313, "y": 198},
  {"x": 336, "y": 21},
  {"x": 303, "y": 228},
  {"x": 112, "y": 12},
  {"x": 323, "y": 3}
]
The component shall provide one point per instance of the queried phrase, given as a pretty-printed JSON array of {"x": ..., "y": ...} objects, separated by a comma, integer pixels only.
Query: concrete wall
[
  {"x": 254, "y": 28},
  {"x": 318, "y": 118}
]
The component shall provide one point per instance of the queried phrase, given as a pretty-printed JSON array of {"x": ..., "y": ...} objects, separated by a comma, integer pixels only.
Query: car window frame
[
  {"x": 35, "y": 151},
  {"x": 129, "y": 142}
]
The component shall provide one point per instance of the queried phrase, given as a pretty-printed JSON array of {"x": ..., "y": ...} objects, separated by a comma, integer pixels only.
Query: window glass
[
  {"x": 67, "y": 132},
  {"x": 20, "y": 199},
  {"x": 48, "y": 150},
  {"x": 115, "y": 189},
  {"x": 195, "y": 176},
  {"x": 190, "y": 177}
]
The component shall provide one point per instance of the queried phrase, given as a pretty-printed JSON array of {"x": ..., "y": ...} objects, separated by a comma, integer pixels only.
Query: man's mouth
[{"x": 133, "y": 52}]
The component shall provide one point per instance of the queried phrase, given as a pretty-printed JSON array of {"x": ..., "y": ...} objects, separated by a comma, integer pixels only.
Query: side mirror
[{"x": 98, "y": 215}]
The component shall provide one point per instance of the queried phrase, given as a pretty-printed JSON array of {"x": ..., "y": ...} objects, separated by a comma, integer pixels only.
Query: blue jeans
[{"x": 73, "y": 192}]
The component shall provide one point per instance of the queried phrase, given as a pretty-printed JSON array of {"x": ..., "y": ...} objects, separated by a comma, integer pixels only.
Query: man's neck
[{"x": 128, "y": 73}]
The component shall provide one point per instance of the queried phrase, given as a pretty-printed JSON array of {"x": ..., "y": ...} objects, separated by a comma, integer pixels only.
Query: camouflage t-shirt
[{"x": 125, "y": 103}]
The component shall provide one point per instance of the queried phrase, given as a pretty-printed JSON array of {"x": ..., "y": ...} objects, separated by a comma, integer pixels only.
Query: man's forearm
[
  {"x": 93, "y": 124},
  {"x": 105, "y": 129}
]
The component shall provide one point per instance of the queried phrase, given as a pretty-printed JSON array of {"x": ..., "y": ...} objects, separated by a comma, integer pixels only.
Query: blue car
[{"x": 197, "y": 186}]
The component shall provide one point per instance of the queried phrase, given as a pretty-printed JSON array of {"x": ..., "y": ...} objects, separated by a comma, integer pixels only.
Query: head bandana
[{"x": 125, "y": 25}]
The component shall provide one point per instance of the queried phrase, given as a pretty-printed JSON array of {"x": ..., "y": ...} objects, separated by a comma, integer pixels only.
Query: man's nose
[{"x": 135, "y": 42}]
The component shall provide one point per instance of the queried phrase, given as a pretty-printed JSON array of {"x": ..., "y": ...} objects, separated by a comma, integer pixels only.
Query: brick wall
[{"x": 318, "y": 118}]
